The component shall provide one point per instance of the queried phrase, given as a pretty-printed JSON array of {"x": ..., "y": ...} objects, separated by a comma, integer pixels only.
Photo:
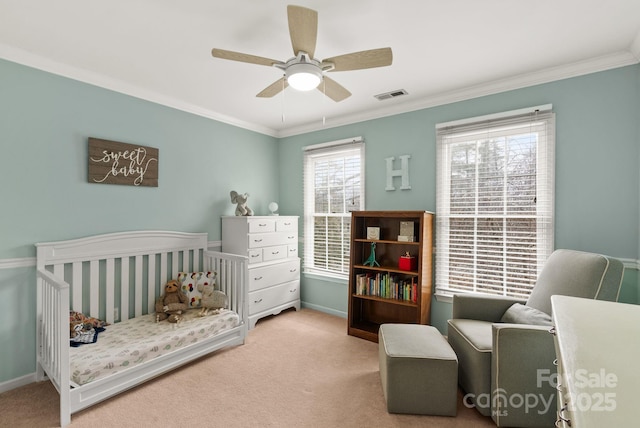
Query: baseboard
[
  {"x": 17, "y": 382},
  {"x": 324, "y": 309}
]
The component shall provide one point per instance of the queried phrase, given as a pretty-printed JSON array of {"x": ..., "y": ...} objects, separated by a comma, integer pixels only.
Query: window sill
[
  {"x": 329, "y": 278},
  {"x": 445, "y": 298}
]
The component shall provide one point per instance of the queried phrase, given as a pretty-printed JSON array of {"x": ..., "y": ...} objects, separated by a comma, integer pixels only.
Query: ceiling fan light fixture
[{"x": 303, "y": 77}]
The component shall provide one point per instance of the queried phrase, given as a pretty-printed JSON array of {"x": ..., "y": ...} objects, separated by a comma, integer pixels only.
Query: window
[
  {"x": 494, "y": 202},
  {"x": 333, "y": 187}
]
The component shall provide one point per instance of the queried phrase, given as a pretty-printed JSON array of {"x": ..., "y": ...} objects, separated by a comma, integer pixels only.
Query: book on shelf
[{"x": 386, "y": 286}]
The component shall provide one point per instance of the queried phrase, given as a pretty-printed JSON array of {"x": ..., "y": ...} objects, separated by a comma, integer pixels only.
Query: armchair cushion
[
  {"x": 481, "y": 307},
  {"x": 521, "y": 314},
  {"x": 472, "y": 342},
  {"x": 578, "y": 274}
]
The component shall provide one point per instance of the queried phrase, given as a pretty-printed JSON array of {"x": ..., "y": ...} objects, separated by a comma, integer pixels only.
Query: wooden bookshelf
[{"x": 382, "y": 292}]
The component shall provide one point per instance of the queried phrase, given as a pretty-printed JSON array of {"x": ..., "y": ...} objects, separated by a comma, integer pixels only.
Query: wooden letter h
[{"x": 402, "y": 172}]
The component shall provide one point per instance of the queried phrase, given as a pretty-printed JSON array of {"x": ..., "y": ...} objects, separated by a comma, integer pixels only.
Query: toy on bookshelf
[
  {"x": 371, "y": 261},
  {"x": 407, "y": 262}
]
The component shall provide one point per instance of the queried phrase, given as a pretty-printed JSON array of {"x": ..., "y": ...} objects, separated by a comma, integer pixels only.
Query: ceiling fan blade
[
  {"x": 303, "y": 29},
  {"x": 333, "y": 89},
  {"x": 361, "y": 60},
  {"x": 237, "y": 56},
  {"x": 273, "y": 89}
]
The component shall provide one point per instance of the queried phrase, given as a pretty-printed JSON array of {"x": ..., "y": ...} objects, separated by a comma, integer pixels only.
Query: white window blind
[
  {"x": 333, "y": 187},
  {"x": 494, "y": 202}
]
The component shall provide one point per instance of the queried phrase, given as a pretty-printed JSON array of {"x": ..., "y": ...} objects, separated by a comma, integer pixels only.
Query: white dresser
[
  {"x": 271, "y": 243},
  {"x": 598, "y": 350}
]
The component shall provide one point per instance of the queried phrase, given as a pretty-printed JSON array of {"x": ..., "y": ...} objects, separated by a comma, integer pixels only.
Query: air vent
[{"x": 392, "y": 94}]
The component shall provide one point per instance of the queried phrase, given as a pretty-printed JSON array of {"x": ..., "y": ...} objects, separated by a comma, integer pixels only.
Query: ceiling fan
[{"x": 304, "y": 72}]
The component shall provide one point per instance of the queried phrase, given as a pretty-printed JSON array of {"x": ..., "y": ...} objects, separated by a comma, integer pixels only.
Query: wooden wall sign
[{"x": 111, "y": 162}]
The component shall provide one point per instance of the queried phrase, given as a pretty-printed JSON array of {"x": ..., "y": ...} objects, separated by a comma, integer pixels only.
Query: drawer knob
[
  {"x": 275, "y": 252},
  {"x": 257, "y": 278},
  {"x": 257, "y": 240},
  {"x": 257, "y": 301},
  {"x": 293, "y": 291},
  {"x": 255, "y": 255},
  {"x": 262, "y": 224},
  {"x": 287, "y": 224},
  {"x": 552, "y": 330},
  {"x": 291, "y": 237},
  {"x": 293, "y": 270}
]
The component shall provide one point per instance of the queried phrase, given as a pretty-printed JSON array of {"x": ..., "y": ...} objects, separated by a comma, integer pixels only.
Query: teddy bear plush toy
[
  {"x": 241, "y": 203},
  {"x": 172, "y": 304},
  {"x": 212, "y": 299}
]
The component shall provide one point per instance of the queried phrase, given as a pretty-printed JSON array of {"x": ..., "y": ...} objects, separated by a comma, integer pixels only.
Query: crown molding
[
  {"x": 96, "y": 79},
  {"x": 593, "y": 65}
]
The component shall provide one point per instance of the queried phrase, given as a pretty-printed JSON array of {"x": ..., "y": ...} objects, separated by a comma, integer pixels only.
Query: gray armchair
[{"x": 505, "y": 352}]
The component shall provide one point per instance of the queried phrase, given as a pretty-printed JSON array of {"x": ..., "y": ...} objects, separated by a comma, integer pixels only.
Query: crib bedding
[{"x": 134, "y": 341}]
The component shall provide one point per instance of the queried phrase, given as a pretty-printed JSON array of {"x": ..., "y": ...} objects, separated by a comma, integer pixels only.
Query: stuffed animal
[
  {"x": 76, "y": 328},
  {"x": 212, "y": 299},
  {"x": 172, "y": 305},
  {"x": 241, "y": 200}
]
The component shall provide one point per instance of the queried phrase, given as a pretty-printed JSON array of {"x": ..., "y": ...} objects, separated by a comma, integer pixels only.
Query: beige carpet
[{"x": 297, "y": 369}]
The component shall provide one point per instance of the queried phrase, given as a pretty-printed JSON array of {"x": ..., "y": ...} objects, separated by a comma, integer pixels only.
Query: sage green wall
[
  {"x": 597, "y": 174},
  {"x": 45, "y": 121}
]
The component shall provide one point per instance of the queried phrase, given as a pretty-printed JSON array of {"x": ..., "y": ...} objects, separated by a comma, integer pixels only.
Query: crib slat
[
  {"x": 76, "y": 286},
  {"x": 195, "y": 258},
  {"x": 94, "y": 284},
  {"x": 138, "y": 287},
  {"x": 185, "y": 264},
  {"x": 151, "y": 284},
  {"x": 110, "y": 275},
  {"x": 163, "y": 270},
  {"x": 175, "y": 260},
  {"x": 124, "y": 290}
]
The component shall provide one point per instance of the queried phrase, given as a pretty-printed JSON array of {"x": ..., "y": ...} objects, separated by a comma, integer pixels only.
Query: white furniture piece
[
  {"x": 271, "y": 244},
  {"x": 598, "y": 352},
  {"x": 123, "y": 273}
]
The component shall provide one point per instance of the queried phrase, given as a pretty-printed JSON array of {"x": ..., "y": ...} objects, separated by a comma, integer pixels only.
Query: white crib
[{"x": 116, "y": 277}]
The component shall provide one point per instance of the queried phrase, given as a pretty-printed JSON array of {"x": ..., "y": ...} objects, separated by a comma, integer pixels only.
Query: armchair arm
[
  {"x": 523, "y": 375},
  {"x": 480, "y": 307}
]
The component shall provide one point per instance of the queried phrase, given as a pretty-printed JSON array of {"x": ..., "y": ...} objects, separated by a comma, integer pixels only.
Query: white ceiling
[{"x": 443, "y": 50}]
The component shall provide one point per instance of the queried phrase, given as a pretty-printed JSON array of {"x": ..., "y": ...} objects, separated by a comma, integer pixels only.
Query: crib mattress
[{"x": 132, "y": 342}]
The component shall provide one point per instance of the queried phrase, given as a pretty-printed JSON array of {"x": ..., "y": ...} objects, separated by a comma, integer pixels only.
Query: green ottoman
[{"x": 418, "y": 369}]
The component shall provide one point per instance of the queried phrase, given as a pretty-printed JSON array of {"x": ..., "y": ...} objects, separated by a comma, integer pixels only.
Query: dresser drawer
[
  {"x": 274, "y": 253},
  {"x": 256, "y": 225},
  {"x": 265, "y": 276},
  {"x": 287, "y": 225},
  {"x": 255, "y": 255},
  {"x": 258, "y": 240},
  {"x": 268, "y": 298}
]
